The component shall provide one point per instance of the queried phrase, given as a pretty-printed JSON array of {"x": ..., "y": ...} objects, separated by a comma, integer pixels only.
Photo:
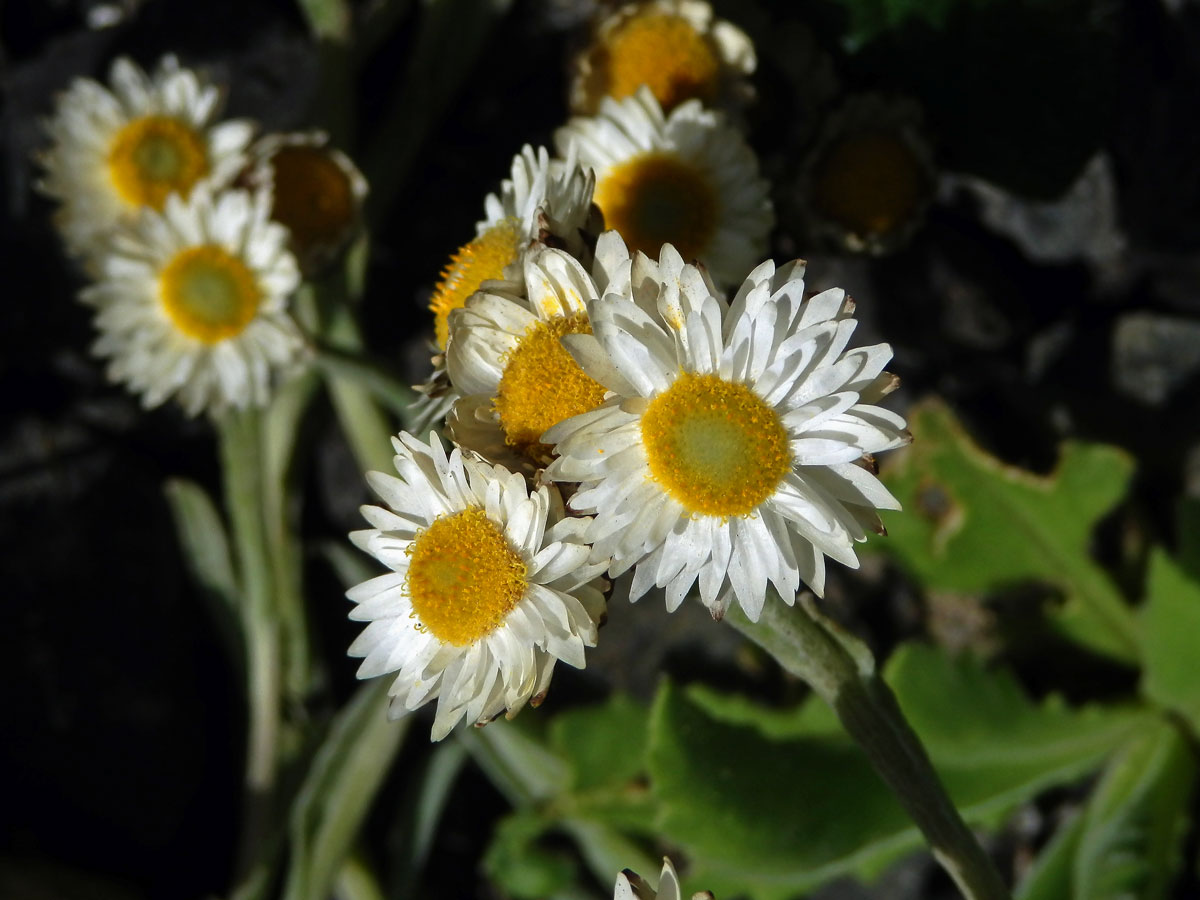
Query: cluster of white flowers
[
  {"x": 708, "y": 443},
  {"x": 191, "y": 230}
]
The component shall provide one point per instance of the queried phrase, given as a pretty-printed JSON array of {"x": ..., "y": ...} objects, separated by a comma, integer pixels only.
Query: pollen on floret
[
  {"x": 313, "y": 195},
  {"x": 463, "y": 577},
  {"x": 542, "y": 385},
  {"x": 656, "y": 198},
  {"x": 870, "y": 183},
  {"x": 208, "y": 293},
  {"x": 714, "y": 446},
  {"x": 663, "y": 52},
  {"x": 482, "y": 259},
  {"x": 155, "y": 156}
]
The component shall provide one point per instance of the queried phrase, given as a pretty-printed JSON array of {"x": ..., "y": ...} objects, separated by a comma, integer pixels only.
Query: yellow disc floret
[
  {"x": 209, "y": 293},
  {"x": 155, "y": 156},
  {"x": 542, "y": 385},
  {"x": 313, "y": 195},
  {"x": 481, "y": 260},
  {"x": 663, "y": 52},
  {"x": 714, "y": 445},
  {"x": 870, "y": 183},
  {"x": 463, "y": 577},
  {"x": 656, "y": 198}
]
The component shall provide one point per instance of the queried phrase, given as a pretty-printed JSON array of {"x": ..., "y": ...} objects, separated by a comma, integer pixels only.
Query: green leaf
[
  {"x": 1170, "y": 633},
  {"x": 1136, "y": 820},
  {"x": 338, "y": 789},
  {"x": 518, "y": 864},
  {"x": 1050, "y": 878},
  {"x": 770, "y": 811},
  {"x": 205, "y": 546},
  {"x": 604, "y": 744},
  {"x": 972, "y": 524}
]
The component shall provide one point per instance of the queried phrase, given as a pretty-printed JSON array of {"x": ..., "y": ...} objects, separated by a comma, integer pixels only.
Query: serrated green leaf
[
  {"x": 338, "y": 789},
  {"x": 1170, "y": 633},
  {"x": 973, "y": 524},
  {"x": 604, "y": 744},
  {"x": 768, "y": 815},
  {"x": 1135, "y": 822},
  {"x": 519, "y": 864}
]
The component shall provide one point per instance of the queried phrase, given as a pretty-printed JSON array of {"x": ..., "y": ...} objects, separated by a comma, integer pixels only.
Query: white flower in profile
[
  {"x": 506, "y": 357},
  {"x": 677, "y": 48},
  {"x": 736, "y": 447},
  {"x": 687, "y": 178},
  {"x": 192, "y": 302},
  {"x": 543, "y": 197},
  {"x": 631, "y": 886},
  {"x": 119, "y": 149},
  {"x": 490, "y": 586}
]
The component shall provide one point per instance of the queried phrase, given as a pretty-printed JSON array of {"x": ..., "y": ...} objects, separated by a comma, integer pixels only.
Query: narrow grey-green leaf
[
  {"x": 205, "y": 546},
  {"x": 337, "y": 792}
]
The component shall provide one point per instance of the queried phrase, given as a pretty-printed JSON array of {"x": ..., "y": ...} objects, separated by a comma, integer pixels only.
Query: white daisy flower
[
  {"x": 505, "y": 355},
  {"x": 735, "y": 448},
  {"x": 674, "y": 47},
  {"x": 544, "y": 200},
  {"x": 192, "y": 302},
  {"x": 317, "y": 192},
  {"x": 631, "y": 886},
  {"x": 688, "y": 179},
  {"x": 120, "y": 150},
  {"x": 490, "y": 586}
]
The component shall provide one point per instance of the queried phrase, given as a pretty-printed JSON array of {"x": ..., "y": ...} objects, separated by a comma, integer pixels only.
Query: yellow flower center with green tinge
[
  {"x": 483, "y": 259},
  {"x": 209, "y": 293},
  {"x": 870, "y": 183},
  {"x": 313, "y": 196},
  {"x": 714, "y": 446},
  {"x": 542, "y": 385},
  {"x": 463, "y": 577},
  {"x": 155, "y": 156},
  {"x": 656, "y": 198},
  {"x": 663, "y": 52}
]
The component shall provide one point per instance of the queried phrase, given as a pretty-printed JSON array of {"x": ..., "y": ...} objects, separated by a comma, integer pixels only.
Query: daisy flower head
[
  {"x": 490, "y": 586},
  {"x": 677, "y": 48},
  {"x": 735, "y": 448},
  {"x": 507, "y": 360},
  {"x": 543, "y": 199},
  {"x": 317, "y": 192},
  {"x": 192, "y": 302},
  {"x": 121, "y": 148},
  {"x": 687, "y": 178},
  {"x": 869, "y": 177}
]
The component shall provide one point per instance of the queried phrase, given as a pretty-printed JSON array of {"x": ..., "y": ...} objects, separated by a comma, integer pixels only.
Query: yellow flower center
[
  {"x": 657, "y": 198},
  {"x": 463, "y": 577},
  {"x": 663, "y": 52},
  {"x": 314, "y": 197},
  {"x": 209, "y": 293},
  {"x": 542, "y": 385},
  {"x": 870, "y": 183},
  {"x": 714, "y": 445},
  {"x": 483, "y": 259},
  {"x": 155, "y": 156}
]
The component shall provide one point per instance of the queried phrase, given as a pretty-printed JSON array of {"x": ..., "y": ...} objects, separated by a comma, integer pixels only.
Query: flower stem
[
  {"x": 841, "y": 671},
  {"x": 240, "y": 433}
]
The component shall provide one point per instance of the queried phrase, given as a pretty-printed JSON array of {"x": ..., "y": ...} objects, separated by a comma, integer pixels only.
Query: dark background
[{"x": 122, "y": 717}]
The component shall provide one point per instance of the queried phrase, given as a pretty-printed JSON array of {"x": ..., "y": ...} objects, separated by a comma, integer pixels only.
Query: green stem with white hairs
[{"x": 841, "y": 671}]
